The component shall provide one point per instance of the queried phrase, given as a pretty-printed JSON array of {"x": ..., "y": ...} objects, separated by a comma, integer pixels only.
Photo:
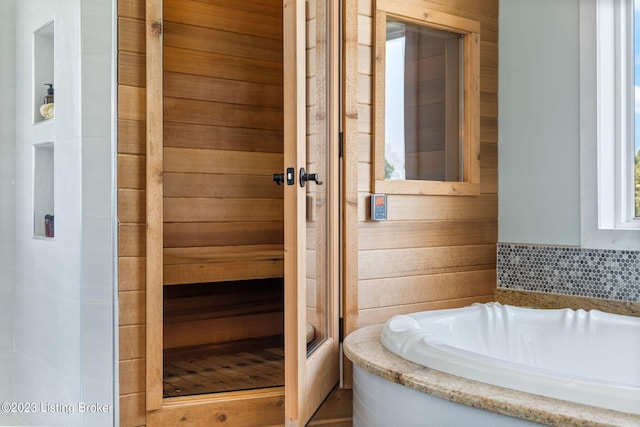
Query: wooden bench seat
[{"x": 222, "y": 263}]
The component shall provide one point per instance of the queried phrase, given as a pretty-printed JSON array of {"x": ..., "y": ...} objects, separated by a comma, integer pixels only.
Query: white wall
[
  {"x": 48, "y": 272},
  {"x": 98, "y": 208},
  {"x": 539, "y": 126},
  {"x": 7, "y": 97},
  {"x": 64, "y": 331}
]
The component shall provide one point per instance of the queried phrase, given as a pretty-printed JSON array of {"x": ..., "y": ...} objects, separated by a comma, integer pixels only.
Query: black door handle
[
  {"x": 279, "y": 178},
  {"x": 304, "y": 177}
]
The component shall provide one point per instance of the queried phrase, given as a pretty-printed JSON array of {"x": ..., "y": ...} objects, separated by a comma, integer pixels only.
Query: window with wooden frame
[{"x": 427, "y": 101}]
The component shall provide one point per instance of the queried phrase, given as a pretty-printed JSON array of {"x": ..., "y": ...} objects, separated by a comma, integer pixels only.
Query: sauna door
[
  {"x": 311, "y": 214},
  {"x": 310, "y": 217}
]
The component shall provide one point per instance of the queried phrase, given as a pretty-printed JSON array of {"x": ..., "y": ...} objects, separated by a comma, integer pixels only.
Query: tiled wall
[
  {"x": 47, "y": 291},
  {"x": 64, "y": 286},
  {"x": 595, "y": 273},
  {"x": 98, "y": 152},
  {"x": 7, "y": 84}
]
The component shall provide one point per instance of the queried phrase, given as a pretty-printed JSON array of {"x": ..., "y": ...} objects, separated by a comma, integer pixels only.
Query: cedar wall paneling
[
  {"x": 131, "y": 210},
  {"x": 434, "y": 251},
  {"x": 223, "y": 141}
]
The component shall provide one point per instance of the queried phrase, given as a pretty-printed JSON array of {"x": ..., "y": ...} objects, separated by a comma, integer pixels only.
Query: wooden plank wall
[
  {"x": 434, "y": 251},
  {"x": 223, "y": 312},
  {"x": 223, "y": 140},
  {"x": 131, "y": 210}
]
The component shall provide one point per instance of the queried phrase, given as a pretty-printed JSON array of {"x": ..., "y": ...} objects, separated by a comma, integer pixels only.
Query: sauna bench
[{"x": 222, "y": 264}]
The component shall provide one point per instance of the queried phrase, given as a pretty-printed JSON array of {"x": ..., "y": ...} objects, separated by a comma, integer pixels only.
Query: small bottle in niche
[
  {"x": 48, "y": 225},
  {"x": 47, "y": 108},
  {"x": 48, "y": 99}
]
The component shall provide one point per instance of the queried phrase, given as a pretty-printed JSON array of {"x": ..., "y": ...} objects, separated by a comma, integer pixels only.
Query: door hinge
[
  {"x": 340, "y": 144},
  {"x": 340, "y": 329}
]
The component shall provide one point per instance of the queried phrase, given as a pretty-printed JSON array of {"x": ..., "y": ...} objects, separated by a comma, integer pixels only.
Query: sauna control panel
[{"x": 378, "y": 207}]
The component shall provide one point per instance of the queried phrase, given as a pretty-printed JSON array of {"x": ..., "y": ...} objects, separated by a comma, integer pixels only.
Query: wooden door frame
[
  {"x": 236, "y": 407},
  {"x": 154, "y": 201},
  {"x": 350, "y": 158},
  {"x": 310, "y": 379}
]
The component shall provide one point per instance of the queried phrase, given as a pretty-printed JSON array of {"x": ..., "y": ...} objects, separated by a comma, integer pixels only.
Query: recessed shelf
[
  {"x": 43, "y": 70},
  {"x": 43, "y": 190}
]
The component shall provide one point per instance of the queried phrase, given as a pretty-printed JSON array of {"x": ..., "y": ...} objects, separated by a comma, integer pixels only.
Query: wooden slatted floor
[
  {"x": 210, "y": 369},
  {"x": 242, "y": 365}
]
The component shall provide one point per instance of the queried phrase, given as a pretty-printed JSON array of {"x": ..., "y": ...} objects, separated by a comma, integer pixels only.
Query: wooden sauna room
[
  {"x": 247, "y": 160},
  {"x": 227, "y": 184}
]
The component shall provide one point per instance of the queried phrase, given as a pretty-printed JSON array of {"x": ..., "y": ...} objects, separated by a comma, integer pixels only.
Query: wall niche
[
  {"x": 43, "y": 73},
  {"x": 43, "y": 190}
]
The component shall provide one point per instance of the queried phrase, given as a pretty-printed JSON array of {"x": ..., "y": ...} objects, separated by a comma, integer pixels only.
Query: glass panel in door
[{"x": 316, "y": 192}]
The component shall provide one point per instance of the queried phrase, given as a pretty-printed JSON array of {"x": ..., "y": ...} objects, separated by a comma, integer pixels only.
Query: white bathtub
[{"x": 590, "y": 358}]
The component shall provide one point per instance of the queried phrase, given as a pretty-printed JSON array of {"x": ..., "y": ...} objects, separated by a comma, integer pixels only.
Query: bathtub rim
[
  {"x": 364, "y": 349},
  {"x": 418, "y": 345}
]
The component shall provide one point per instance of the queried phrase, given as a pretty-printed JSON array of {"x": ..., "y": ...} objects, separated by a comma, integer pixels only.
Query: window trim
[
  {"x": 606, "y": 120},
  {"x": 415, "y": 12}
]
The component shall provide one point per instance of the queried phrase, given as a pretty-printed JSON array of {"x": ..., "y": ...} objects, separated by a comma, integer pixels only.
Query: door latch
[
  {"x": 304, "y": 177},
  {"x": 279, "y": 178}
]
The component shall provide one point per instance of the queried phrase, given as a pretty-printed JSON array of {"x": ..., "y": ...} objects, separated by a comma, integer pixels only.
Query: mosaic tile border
[{"x": 595, "y": 273}]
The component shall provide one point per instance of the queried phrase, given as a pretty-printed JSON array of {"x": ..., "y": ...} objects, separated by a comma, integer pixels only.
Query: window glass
[{"x": 423, "y": 103}]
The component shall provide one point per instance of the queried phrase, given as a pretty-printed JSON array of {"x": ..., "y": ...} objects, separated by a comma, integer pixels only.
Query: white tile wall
[
  {"x": 67, "y": 176},
  {"x": 9, "y": 420},
  {"x": 43, "y": 385},
  {"x": 62, "y": 342},
  {"x": 6, "y": 376},
  {"x": 7, "y": 155},
  {"x": 97, "y": 347},
  {"x": 57, "y": 263},
  {"x": 97, "y": 272},
  {"x": 96, "y": 203},
  {"x": 97, "y": 210},
  {"x": 6, "y": 325},
  {"x": 100, "y": 395}
]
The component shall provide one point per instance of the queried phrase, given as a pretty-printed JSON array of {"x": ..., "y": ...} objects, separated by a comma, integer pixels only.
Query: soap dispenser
[
  {"x": 47, "y": 108},
  {"x": 49, "y": 98}
]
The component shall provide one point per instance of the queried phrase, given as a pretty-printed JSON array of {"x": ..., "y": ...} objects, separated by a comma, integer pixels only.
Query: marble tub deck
[{"x": 363, "y": 348}]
